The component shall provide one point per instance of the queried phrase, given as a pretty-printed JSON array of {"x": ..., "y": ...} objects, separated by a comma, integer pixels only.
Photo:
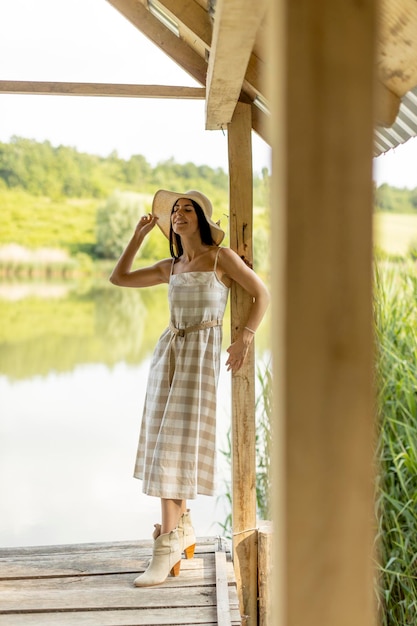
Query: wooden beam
[
  {"x": 229, "y": 56},
  {"x": 243, "y": 382},
  {"x": 396, "y": 62},
  {"x": 101, "y": 89},
  {"x": 169, "y": 43},
  {"x": 192, "y": 17},
  {"x": 259, "y": 119},
  {"x": 222, "y": 590},
  {"x": 322, "y": 116},
  {"x": 265, "y": 573},
  {"x": 261, "y": 124},
  {"x": 195, "y": 21},
  {"x": 387, "y": 105},
  {"x": 255, "y": 76}
]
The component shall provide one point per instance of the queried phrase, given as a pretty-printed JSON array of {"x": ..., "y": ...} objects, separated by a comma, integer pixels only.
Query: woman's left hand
[{"x": 238, "y": 351}]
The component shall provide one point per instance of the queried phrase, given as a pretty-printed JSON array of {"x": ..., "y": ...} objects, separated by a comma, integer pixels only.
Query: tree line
[
  {"x": 395, "y": 200},
  {"x": 62, "y": 172},
  {"x": 57, "y": 197},
  {"x": 42, "y": 169}
]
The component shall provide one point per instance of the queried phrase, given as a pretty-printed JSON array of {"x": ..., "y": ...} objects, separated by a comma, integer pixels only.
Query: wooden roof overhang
[
  {"x": 396, "y": 93},
  {"x": 230, "y": 63}
]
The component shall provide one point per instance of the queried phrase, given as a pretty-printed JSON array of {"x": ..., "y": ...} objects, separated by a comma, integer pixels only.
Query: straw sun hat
[{"x": 164, "y": 201}]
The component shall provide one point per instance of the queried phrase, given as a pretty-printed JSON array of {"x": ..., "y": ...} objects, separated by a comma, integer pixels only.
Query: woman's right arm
[{"x": 123, "y": 275}]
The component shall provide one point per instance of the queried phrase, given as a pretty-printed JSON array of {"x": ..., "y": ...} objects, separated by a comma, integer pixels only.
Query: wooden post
[
  {"x": 265, "y": 572},
  {"x": 322, "y": 127},
  {"x": 243, "y": 383}
]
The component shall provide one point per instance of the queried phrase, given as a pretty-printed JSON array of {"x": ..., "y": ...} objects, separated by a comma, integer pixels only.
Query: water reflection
[
  {"x": 67, "y": 448},
  {"x": 91, "y": 324},
  {"x": 74, "y": 361}
]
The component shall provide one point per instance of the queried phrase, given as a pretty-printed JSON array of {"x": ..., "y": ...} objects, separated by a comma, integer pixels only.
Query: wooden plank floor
[{"x": 92, "y": 585}]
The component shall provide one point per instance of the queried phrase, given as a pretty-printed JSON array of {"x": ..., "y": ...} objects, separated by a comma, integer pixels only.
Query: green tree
[
  {"x": 12, "y": 164},
  {"x": 137, "y": 171},
  {"x": 413, "y": 198},
  {"x": 116, "y": 219}
]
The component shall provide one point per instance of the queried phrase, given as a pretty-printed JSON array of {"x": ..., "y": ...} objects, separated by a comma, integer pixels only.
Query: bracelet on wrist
[{"x": 250, "y": 330}]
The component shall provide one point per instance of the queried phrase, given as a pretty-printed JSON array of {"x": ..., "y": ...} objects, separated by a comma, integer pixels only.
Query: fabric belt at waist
[{"x": 181, "y": 332}]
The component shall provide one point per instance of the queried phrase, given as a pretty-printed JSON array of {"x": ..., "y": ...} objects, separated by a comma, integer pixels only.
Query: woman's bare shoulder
[
  {"x": 228, "y": 257},
  {"x": 227, "y": 260},
  {"x": 164, "y": 266}
]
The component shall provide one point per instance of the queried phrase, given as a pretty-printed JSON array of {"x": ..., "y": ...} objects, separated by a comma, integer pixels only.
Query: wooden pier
[{"x": 92, "y": 585}]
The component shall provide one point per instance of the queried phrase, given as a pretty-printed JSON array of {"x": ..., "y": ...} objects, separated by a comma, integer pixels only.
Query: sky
[
  {"x": 90, "y": 41},
  {"x": 398, "y": 167}
]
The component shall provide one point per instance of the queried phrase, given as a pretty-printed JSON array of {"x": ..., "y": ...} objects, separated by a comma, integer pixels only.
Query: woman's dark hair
[{"x": 175, "y": 245}]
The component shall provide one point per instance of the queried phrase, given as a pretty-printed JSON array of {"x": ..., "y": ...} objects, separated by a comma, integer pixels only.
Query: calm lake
[{"x": 74, "y": 361}]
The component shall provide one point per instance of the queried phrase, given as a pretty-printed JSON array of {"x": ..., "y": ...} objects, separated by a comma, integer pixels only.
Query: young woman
[{"x": 177, "y": 447}]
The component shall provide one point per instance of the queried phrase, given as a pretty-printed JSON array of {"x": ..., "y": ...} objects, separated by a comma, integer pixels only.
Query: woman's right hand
[{"x": 145, "y": 224}]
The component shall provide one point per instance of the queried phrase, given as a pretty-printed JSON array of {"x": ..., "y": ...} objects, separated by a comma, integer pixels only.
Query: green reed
[
  {"x": 263, "y": 443},
  {"x": 395, "y": 317},
  {"x": 395, "y": 313}
]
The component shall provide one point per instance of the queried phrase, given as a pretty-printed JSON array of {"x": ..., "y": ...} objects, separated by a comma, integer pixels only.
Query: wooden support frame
[
  {"x": 243, "y": 382},
  {"x": 195, "y": 25},
  {"x": 100, "y": 89},
  {"x": 322, "y": 130},
  {"x": 387, "y": 105},
  {"x": 229, "y": 56},
  {"x": 192, "y": 19},
  {"x": 265, "y": 573},
  {"x": 114, "y": 90}
]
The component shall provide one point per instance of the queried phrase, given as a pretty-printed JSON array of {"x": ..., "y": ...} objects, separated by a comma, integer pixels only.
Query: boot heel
[
  {"x": 175, "y": 570},
  {"x": 189, "y": 552}
]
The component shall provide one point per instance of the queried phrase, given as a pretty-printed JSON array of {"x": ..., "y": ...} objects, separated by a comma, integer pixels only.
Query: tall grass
[
  {"x": 395, "y": 310},
  {"x": 263, "y": 444},
  {"x": 396, "y": 502}
]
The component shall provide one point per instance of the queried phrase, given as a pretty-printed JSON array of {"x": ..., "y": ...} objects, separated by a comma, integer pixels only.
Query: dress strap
[
  {"x": 172, "y": 266},
  {"x": 215, "y": 262}
]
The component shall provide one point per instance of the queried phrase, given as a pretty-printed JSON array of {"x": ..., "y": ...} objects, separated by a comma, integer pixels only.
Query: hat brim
[{"x": 162, "y": 205}]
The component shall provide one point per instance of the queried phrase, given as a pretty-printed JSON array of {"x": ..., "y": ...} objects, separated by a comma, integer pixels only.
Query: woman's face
[{"x": 184, "y": 218}]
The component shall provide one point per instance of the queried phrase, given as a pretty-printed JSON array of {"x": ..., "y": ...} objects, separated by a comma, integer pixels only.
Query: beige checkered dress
[{"x": 177, "y": 443}]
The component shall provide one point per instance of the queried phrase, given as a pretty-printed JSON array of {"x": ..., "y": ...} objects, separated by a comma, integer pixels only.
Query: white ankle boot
[
  {"x": 186, "y": 535},
  {"x": 166, "y": 558}
]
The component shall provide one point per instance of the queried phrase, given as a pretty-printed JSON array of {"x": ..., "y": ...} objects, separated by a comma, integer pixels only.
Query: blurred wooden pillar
[
  {"x": 243, "y": 383},
  {"x": 322, "y": 57}
]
